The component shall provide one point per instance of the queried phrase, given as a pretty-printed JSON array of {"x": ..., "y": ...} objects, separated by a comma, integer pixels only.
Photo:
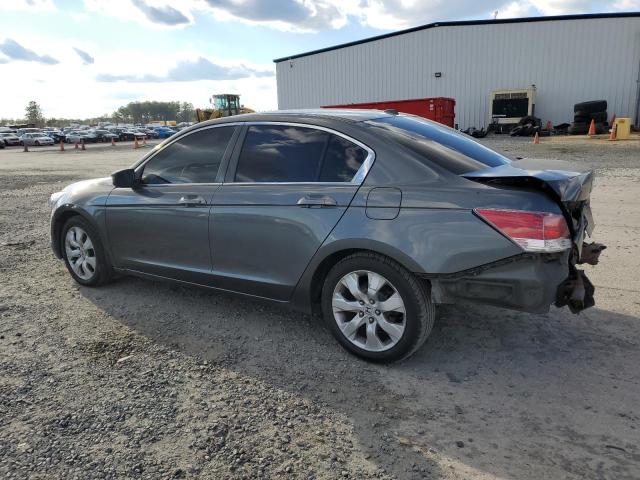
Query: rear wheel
[
  {"x": 37, "y": 143},
  {"x": 83, "y": 253},
  {"x": 375, "y": 308}
]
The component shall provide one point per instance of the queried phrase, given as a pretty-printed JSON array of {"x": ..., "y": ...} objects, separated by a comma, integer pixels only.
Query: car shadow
[{"x": 492, "y": 392}]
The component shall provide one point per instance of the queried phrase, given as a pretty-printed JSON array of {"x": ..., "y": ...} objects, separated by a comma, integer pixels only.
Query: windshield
[{"x": 441, "y": 145}]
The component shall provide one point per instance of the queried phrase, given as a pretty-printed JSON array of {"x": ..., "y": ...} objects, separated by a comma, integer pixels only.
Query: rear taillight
[{"x": 533, "y": 231}]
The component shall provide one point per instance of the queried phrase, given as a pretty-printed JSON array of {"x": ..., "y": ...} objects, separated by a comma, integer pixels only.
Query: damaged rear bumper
[
  {"x": 527, "y": 282},
  {"x": 576, "y": 292}
]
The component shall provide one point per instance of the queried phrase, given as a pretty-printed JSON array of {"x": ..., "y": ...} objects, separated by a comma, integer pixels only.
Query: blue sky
[{"x": 81, "y": 58}]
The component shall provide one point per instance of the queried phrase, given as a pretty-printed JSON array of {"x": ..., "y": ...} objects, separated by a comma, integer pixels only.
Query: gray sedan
[
  {"x": 366, "y": 217},
  {"x": 9, "y": 139},
  {"x": 36, "y": 139}
]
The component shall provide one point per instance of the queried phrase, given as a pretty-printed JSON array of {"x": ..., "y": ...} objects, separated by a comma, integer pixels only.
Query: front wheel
[
  {"x": 84, "y": 254},
  {"x": 375, "y": 308}
]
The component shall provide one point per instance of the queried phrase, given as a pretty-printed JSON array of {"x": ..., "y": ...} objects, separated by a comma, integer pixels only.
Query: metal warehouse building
[{"x": 569, "y": 59}]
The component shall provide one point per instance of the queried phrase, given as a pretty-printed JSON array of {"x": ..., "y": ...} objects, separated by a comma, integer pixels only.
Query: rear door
[{"x": 286, "y": 188}]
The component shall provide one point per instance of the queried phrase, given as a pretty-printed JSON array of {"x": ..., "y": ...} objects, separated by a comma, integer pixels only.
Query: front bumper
[{"x": 526, "y": 282}]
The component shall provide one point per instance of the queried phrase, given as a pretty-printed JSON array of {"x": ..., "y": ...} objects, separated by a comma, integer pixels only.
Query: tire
[
  {"x": 102, "y": 271},
  {"x": 516, "y": 131},
  {"x": 602, "y": 128},
  {"x": 529, "y": 119},
  {"x": 37, "y": 143},
  {"x": 581, "y": 118},
  {"x": 591, "y": 106},
  {"x": 599, "y": 117},
  {"x": 578, "y": 129},
  {"x": 411, "y": 321}
]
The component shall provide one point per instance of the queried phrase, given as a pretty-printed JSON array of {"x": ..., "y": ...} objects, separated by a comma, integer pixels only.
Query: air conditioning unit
[{"x": 509, "y": 106}]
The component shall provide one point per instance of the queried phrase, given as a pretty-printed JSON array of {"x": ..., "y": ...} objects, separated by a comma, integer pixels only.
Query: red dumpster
[{"x": 440, "y": 109}]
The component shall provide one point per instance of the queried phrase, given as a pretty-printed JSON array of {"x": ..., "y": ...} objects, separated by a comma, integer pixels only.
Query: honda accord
[{"x": 368, "y": 218}]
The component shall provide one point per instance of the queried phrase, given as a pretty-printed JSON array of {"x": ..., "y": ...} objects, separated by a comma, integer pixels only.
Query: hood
[
  {"x": 569, "y": 185},
  {"x": 86, "y": 184}
]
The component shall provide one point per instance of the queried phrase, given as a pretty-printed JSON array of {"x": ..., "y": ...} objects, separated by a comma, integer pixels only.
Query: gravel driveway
[{"x": 152, "y": 380}]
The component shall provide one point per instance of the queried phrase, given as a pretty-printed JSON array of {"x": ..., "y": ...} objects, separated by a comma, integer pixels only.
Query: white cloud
[
  {"x": 31, "y": 6},
  {"x": 516, "y": 10},
  {"x": 627, "y": 5},
  {"x": 155, "y": 13},
  {"x": 69, "y": 89},
  {"x": 318, "y": 15}
]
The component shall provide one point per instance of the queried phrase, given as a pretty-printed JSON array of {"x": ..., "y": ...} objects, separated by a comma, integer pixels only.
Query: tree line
[{"x": 133, "y": 112}]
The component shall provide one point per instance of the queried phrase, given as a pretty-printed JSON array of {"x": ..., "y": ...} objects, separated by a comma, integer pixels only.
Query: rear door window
[
  {"x": 281, "y": 153},
  {"x": 292, "y": 154},
  {"x": 342, "y": 160}
]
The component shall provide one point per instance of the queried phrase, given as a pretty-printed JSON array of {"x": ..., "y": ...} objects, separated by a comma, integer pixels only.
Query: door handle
[
  {"x": 192, "y": 200},
  {"x": 324, "y": 201}
]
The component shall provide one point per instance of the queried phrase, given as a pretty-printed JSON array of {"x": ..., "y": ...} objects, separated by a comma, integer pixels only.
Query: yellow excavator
[{"x": 224, "y": 105}]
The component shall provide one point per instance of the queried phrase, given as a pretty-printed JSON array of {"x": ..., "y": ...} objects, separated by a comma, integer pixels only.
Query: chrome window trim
[
  {"x": 334, "y": 184},
  {"x": 208, "y": 184},
  {"x": 357, "y": 179}
]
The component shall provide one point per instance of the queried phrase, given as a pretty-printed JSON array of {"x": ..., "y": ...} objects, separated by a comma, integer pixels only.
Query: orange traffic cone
[
  {"x": 536, "y": 139},
  {"x": 135, "y": 143},
  {"x": 83, "y": 147},
  {"x": 592, "y": 128},
  {"x": 113, "y": 141},
  {"x": 61, "y": 146},
  {"x": 613, "y": 119},
  {"x": 613, "y": 135}
]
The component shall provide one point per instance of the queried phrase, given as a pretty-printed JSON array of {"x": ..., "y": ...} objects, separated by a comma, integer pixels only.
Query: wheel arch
[
  {"x": 307, "y": 294},
  {"x": 60, "y": 217}
]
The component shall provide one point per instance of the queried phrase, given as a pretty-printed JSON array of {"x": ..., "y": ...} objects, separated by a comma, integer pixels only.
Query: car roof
[{"x": 347, "y": 115}]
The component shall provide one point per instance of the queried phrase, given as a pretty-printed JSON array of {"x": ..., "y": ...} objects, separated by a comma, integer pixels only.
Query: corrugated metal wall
[{"x": 568, "y": 60}]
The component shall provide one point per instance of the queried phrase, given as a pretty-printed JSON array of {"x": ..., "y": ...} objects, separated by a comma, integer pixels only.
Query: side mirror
[{"x": 124, "y": 178}]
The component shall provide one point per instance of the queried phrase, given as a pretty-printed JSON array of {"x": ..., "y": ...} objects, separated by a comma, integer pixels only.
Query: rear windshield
[{"x": 444, "y": 146}]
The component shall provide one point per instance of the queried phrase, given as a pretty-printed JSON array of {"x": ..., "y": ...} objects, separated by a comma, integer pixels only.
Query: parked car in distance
[
  {"x": 36, "y": 139},
  {"x": 85, "y": 136},
  {"x": 22, "y": 131},
  {"x": 105, "y": 135},
  {"x": 164, "y": 132},
  {"x": 9, "y": 139},
  {"x": 56, "y": 135},
  {"x": 149, "y": 132},
  {"x": 131, "y": 135},
  {"x": 369, "y": 218}
]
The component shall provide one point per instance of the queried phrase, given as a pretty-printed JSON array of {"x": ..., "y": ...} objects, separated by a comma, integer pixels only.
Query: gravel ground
[{"x": 152, "y": 380}]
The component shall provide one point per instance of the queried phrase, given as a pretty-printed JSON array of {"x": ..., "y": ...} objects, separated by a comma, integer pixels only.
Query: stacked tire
[{"x": 585, "y": 112}]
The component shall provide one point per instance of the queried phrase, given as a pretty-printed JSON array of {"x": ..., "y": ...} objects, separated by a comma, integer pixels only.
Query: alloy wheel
[
  {"x": 81, "y": 254},
  {"x": 369, "y": 310}
]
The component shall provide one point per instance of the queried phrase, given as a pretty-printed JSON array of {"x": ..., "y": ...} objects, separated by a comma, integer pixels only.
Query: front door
[
  {"x": 287, "y": 187},
  {"x": 161, "y": 226}
]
